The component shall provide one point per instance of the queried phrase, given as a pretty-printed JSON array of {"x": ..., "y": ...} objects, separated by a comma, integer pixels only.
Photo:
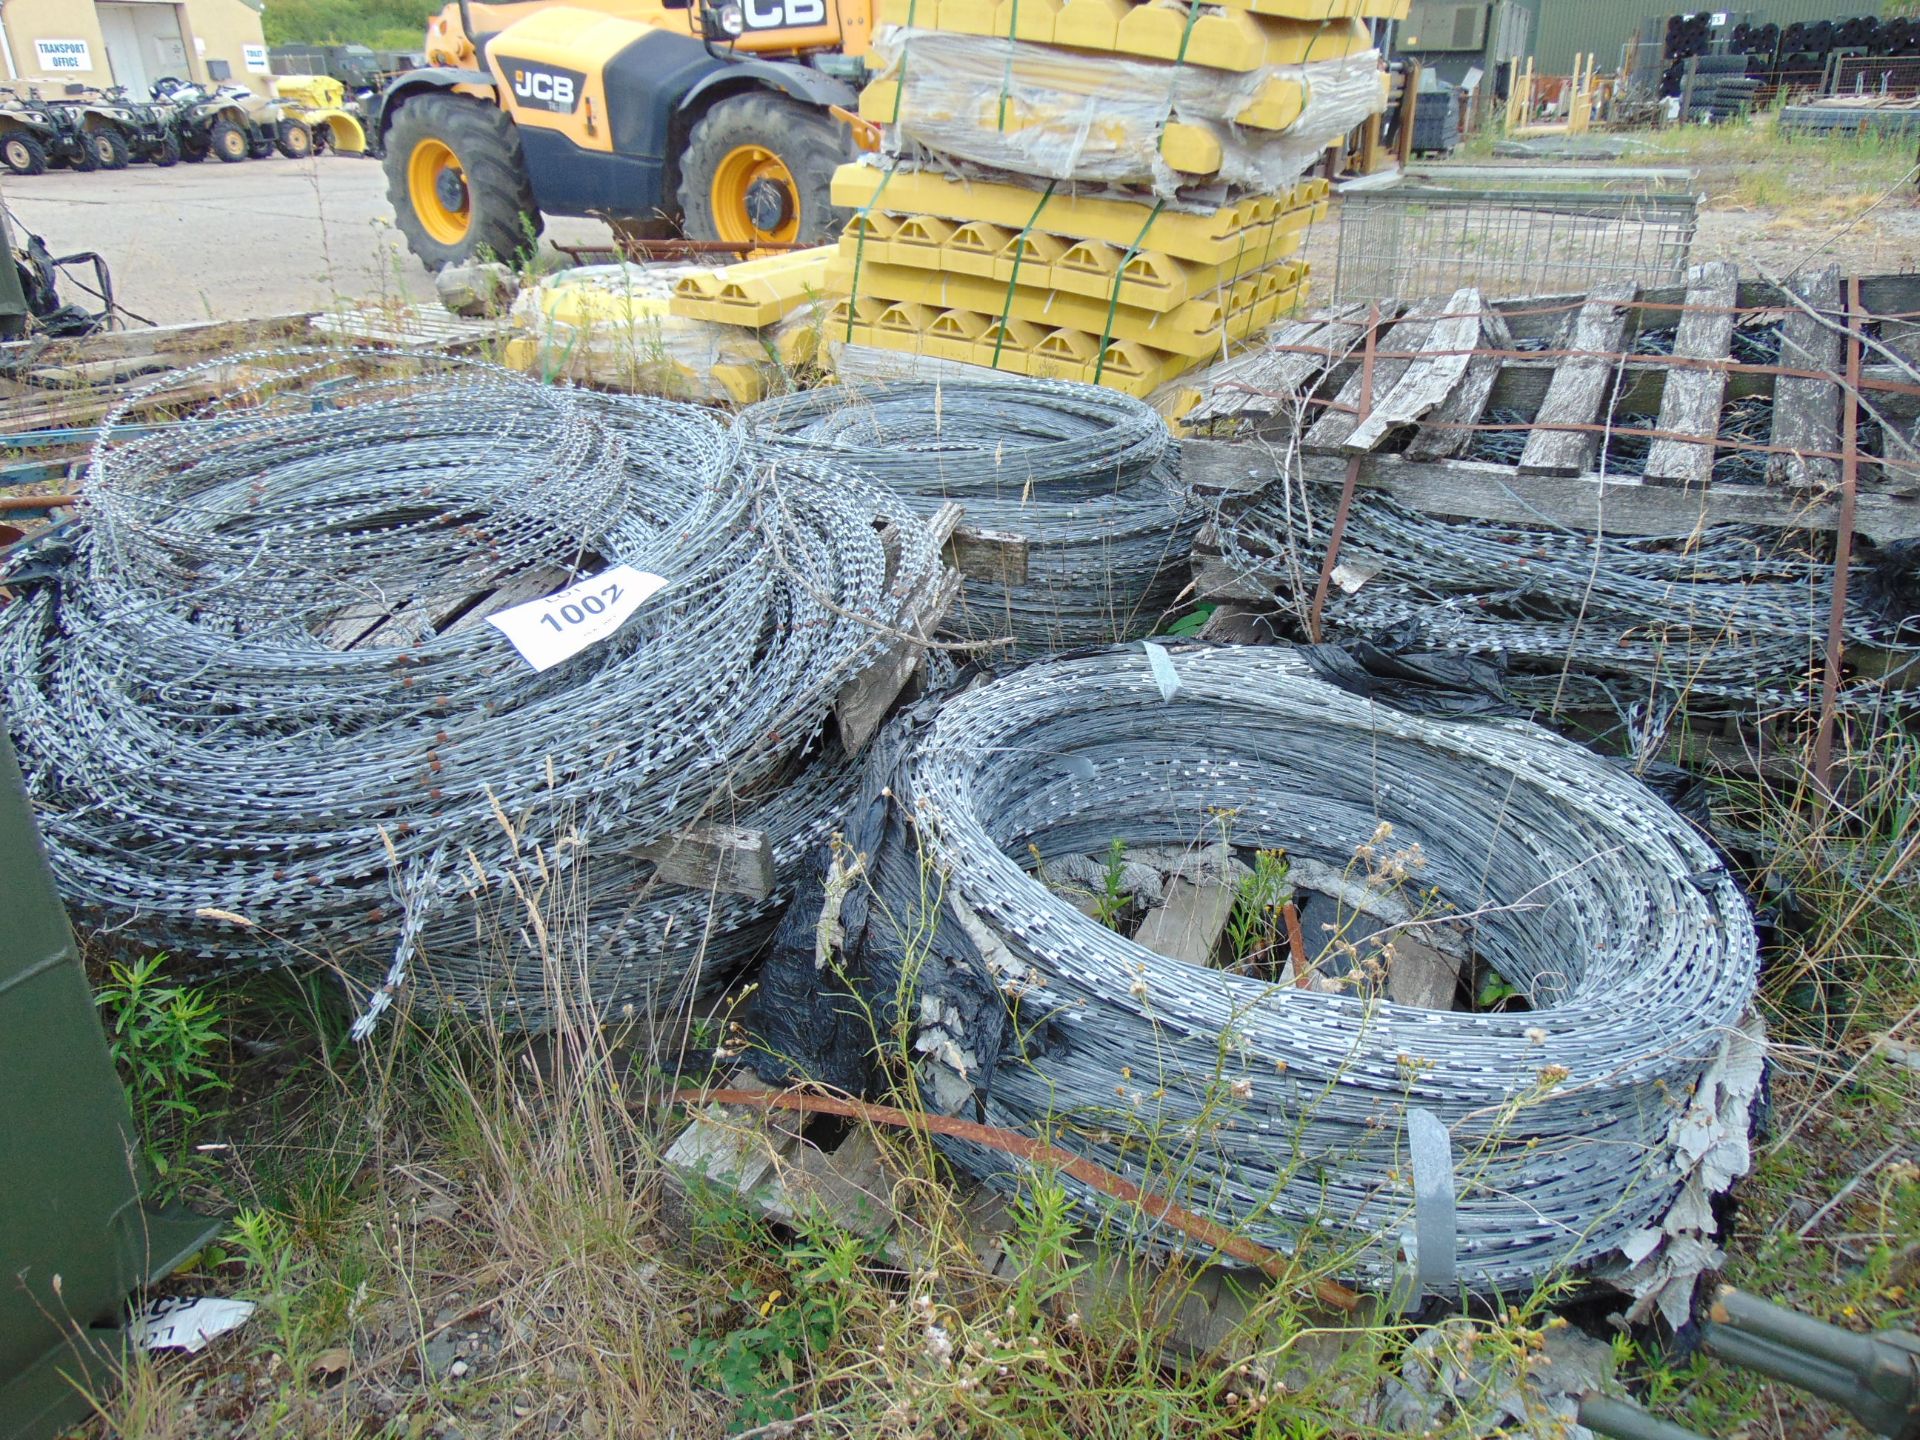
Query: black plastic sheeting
[
  {"x": 805, "y": 1018},
  {"x": 1419, "y": 682}
]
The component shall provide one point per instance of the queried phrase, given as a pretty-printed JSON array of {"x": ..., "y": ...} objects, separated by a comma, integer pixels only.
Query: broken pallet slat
[
  {"x": 1481, "y": 490},
  {"x": 730, "y": 859},
  {"x": 1420, "y": 975},
  {"x": 1690, "y": 403},
  {"x": 1448, "y": 431},
  {"x": 1806, "y": 412},
  {"x": 1188, "y": 924},
  {"x": 1578, "y": 391},
  {"x": 863, "y": 702},
  {"x": 1260, "y": 382},
  {"x": 1429, "y": 381},
  {"x": 732, "y": 1146},
  {"x": 1332, "y": 430},
  {"x": 995, "y": 556}
]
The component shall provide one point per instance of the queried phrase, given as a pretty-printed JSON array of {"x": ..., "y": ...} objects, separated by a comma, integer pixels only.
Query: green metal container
[{"x": 75, "y": 1239}]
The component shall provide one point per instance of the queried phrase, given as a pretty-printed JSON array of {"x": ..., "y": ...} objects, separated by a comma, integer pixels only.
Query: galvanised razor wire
[
  {"x": 1088, "y": 475},
  {"x": 262, "y": 688},
  {"x": 1281, "y": 1110},
  {"x": 1730, "y": 618}
]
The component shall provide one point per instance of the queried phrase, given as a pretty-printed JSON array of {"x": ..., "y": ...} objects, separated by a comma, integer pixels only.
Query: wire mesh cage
[{"x": 1416, "y": 241}]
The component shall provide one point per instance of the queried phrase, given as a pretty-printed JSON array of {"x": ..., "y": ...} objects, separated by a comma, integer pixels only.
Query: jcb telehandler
[{"x": 711, "y": 118}]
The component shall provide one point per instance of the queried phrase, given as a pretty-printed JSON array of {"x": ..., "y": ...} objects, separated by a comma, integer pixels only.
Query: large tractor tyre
[
  {"x": 109, "y": 150},
  {"x": 758, "y": 169},
  {"x": 294, "y": 139},
  {"x": 167, "y": 152},
  {"x": 24, "y": 154},
  {"x": 229, "y": 141},
  {"x": 458, "y": 182},
  {"x": 322, "y": 135}
]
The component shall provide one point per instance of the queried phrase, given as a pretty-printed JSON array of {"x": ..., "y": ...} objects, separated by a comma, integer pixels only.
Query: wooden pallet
[
  {"x": 1392, "y": 396},
  {"x": 764, "y": 1160},
  {"x": 409, "y": 327}
]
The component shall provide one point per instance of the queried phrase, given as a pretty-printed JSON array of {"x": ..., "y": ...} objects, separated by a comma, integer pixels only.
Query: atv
[
  {"x": 59, "y": 131},
  {"x": 108, "y": 126},
  {"x": 149, "y": 128},
  {"x": 28, "y": 139},
  {"x": 231, "y": 122}
]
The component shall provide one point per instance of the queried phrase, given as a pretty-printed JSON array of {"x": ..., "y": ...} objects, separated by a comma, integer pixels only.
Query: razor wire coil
[
  {"x": 262, "y": 688},
  {"x": 1280, "y": 1110},
  {"x": 1731, "y": 618},
  {"x": 1087, "y": 475}
]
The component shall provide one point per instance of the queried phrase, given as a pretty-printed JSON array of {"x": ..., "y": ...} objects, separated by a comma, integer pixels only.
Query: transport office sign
[{"x": 63, "y": 54}]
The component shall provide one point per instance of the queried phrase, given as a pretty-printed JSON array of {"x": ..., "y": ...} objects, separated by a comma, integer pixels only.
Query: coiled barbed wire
[
  {"x": 1276, "y": 1109},
  {"x": 1731, "y": 618},
  {"x": 1087, "y": 475},
  {"x": 260, "y": 688}
]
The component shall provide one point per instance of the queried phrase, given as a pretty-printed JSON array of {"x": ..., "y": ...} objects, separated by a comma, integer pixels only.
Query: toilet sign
[
  {"x": 256, "y": 58},
  {"x": 57, "y": 55}
]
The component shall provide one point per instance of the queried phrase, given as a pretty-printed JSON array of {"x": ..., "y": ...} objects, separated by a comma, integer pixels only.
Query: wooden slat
[
  {"x": 1806, "y": 413},
  {"x": 1690, "y": 403},
  {"x": 998, "y": 557},
  {"x": 1188, "y": 925},
  {"x": 863, "y": 702},
  {"x": 1446, "y": 434},
  {"x": 1429, "y": 381},
  {"x": 1579, "y": 389},
  {"x": 1261, "y": 382},
  {"x": 727, "y": 858},
  {"x": 1333, "y": 429},
  {"x": 1478, "y": 491}
]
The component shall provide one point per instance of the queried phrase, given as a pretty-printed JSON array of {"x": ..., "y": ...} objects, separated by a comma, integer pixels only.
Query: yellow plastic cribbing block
[
  {"x": 754, "y": 292},
  {"x": 1090, "y": 24},
  {"x": 921, "y": 14},
  {"x": 1210, "y": 238},
  {"x": 1276, "y": 106},
  {"x": 1190, "y": 149},
  {"x": 1193, "y": 329},
  {"x": 1221, "y": 39}
]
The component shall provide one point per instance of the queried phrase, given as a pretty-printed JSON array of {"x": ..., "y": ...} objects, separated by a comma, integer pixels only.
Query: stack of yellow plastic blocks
[{"x": 1097, "y": 190}]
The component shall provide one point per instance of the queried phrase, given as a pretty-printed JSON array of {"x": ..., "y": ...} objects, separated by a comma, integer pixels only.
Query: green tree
[{"x": 381, "y": 24}]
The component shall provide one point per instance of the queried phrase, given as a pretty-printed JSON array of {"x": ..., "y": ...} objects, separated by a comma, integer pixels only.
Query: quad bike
[
  {"x": 55, "y": 130},
  {"x": 319, "y": 103},
  {"x": 28, "y": 139},
  {"x": 231, "y": 122},
  {"x": 110, "y": 126},
  {"x": 149, "y": 129}
]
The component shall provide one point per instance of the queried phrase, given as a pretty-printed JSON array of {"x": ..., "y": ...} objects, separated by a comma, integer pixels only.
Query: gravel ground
[{"x": 225, "y": 242}]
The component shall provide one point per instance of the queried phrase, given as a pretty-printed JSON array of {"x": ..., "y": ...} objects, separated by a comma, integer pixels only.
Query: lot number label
[{"x": 560, "y": 625}]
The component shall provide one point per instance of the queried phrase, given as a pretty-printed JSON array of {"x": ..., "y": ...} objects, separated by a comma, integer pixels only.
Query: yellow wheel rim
[
  {"x": 733, "y": 182},
  {"x": 433, "y": 177},
  {"x": 299, "y": 141},
  {"x": 235, "y": 142}
]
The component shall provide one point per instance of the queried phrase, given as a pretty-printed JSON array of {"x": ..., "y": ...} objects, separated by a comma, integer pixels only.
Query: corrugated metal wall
[{"x": 1565, "y": 28}]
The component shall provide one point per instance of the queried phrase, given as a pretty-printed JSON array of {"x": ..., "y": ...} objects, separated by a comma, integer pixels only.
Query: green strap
[
  {"x": 1006, "y": 75},
  {"x": 1013, "y": 280},
  {"x": 1119, "y": 276},
  {"x": 860, "y": 246},
  {"x": 1179, "y": 59},
  {"x": 900, "y": 87}
]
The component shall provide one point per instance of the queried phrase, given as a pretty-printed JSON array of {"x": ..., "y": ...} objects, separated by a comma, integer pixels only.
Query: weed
[
  {"x": 1114, "y": 899},
  {"x": 1256, "y": 928},
  {"x": 165, "y": 1039}
]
